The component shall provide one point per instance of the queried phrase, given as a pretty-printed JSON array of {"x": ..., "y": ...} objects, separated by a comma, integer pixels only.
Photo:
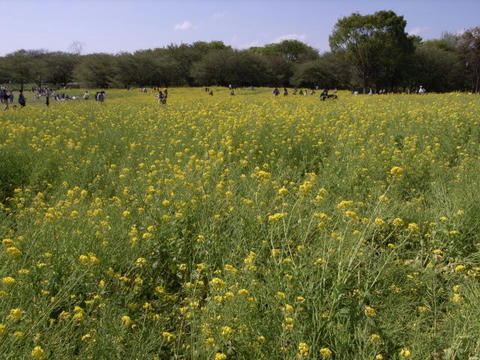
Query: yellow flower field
[{"x": 241, "y": 227}]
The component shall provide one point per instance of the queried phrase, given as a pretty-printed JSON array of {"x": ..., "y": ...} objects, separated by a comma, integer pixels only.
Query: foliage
[{"x": 375, "y": 45}]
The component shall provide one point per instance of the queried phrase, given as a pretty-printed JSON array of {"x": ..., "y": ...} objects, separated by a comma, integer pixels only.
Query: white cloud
[
  {"x": 219, "y": 15},
  {"x": 300, "y": 37},
  {"x": 417, "y": 30},
  {"x": 186, "y": 25}
]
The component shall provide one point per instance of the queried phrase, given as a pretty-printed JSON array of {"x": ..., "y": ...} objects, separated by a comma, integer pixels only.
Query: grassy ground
[{"x": 240, "y": 227}]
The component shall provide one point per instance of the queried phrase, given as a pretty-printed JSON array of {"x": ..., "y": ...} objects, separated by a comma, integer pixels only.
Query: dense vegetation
[
  {"x": 371, "y": 51},
  {"x": 241, "y": 227}
]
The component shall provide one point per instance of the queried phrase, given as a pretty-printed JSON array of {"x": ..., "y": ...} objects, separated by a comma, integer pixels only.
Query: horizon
[{"x": 129, "y": 26}]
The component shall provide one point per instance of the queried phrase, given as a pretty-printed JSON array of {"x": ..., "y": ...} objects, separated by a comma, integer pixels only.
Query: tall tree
[
  {"x": 375, "y": 45},
  {"x": 96, "y": 70},
  {"x": 470, "y": 50}
]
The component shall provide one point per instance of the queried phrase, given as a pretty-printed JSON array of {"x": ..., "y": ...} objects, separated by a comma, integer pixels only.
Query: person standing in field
[
  {"x": 165, "y": 95},
  {"x": 47, "y": 98},
  {"x": 285, "y": 91},
  {"x": 161, "y": 97},
  {"x": 21, "y": 99},
  {"x": 5, "y": 98}
]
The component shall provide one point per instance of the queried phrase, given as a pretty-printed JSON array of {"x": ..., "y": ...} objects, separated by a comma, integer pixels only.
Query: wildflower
[
  {"x": 220, "y": 356},
  {"x": 168, "y": 336},
  {"x": 276, "y": 217},
  {"x": 396, "y": 171},
  {"x": 344, "y": 204},
  {"x": 397, "y": 222},
  {"x": 38, "y": 353},
  {"x": 413, "y": 227},
  {"x": 15, "y": 315},
  {"x": 126, "y": 321},
  {"x": 369, "y": 311},
  {"x": 8, "y": 280},
  {"x": 326, "y": 353},
  {"x": 303, "y": 350},
  {"x": 13, "y": 251},
  {"x": 405, "y": 353},
  {"x": 456, "y": 298}
]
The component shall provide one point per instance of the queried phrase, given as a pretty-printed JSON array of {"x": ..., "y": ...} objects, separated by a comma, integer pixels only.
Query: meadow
[{"x": 241, "y": 227}]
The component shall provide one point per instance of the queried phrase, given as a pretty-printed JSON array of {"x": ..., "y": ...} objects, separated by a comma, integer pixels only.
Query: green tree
[
  {"x": 24, "y": 66},
  {"x": 58, "y": 67},
  {"x": 96, "y": 70},
  {"x": 469, "y": 44},
  {"x": 283, "y": 57},
  {"x": 375, "y": 45},
  {"x": 328, "y": 71},
  {"x": 223, "y": 67},
  {"x": 437, "y": 68}
]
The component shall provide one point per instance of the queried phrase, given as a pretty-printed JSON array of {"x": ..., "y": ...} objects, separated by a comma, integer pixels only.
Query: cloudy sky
[{"x": 127, "y": 25}]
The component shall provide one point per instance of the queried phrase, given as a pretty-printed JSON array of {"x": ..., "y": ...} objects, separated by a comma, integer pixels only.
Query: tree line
[{"x": 366, "y": 51}]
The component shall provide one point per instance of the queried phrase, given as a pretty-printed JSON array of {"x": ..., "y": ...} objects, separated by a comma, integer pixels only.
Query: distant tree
[
  {"x": 57, "y": 67},
  {"x": 186, "y": 55},
  {"x": 223, "y": 67},
  {"x": 95, "y": 70},
  {"x": 126, "y": 69},
  {"x": 469, "y": 45},
  {"x": 24, "y": 66},
  {"x": 375, "y": 45},
  {"x": 328, "y": 71},
  {"x": 437, "y": 68},
  {"x": 156, "y": 68},
  {"x": 283, "y": 57}
]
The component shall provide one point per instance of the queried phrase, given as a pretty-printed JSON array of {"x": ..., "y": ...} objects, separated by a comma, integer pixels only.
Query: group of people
[
  {"x": 99, "y": 96},
  {"x": 7, "y": 97},
  {"x": 324, "y": 95}
]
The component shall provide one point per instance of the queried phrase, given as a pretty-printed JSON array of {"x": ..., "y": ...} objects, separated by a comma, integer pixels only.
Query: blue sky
[{"x": 124, "y": 25}]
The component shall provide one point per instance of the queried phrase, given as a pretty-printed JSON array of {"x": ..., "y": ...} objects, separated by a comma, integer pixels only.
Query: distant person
[
  {"x": 232, "y": 92},
  {"x": 370, "y": 92},
  {"x": 47, "y": 99},
  {"x": 21, "y": 99},
  {"x": 210, "y": 93},
  {"x": 295, "y": 91},
  {"x": 275, "y": 92},
  {"x": 165, "y": 93},
  {"x": 312, "y": 92},
  {"x": 11, "y": 97},
  {"x": 355, "y": 92},
  {"x": 422, "y": 90},
  {"x": 101, "y": 96},
  {"x": 161, "y": 97},
  {"x": 5, "y": 98},
  {"x": 324, "y": 94},
  {"x": 285, "y": 91},
  {"x": 86, "y": 95}
]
